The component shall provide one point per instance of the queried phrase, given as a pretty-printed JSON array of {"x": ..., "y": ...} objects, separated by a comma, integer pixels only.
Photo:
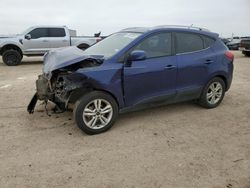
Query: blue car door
[
  {"x": 154, "y": 78},
  {"x": 194, "y": 61}
]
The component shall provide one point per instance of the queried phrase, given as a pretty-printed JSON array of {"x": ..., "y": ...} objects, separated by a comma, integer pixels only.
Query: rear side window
[
  {"x": 188, "y": 42},
  {"x": 208, "y": 41},
  {"x": 157, "y": 45},
  {"x": 57, "y": 32},
  {"x": 38, "y": 33}
]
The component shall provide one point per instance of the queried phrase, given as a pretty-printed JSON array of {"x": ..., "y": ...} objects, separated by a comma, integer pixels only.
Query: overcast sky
[{"x": 90, "y": 16}]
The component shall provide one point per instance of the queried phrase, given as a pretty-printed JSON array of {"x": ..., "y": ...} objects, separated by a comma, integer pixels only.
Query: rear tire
[
  {"x": 213, "y": 93},
  {"x": 95, "y": 112},
  {"x": 12, "y": 57}
]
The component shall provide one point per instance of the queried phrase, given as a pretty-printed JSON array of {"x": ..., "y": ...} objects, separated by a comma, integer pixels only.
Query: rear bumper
[
  {"x": 229, "y": 82},
  {"x": 230, "y": 77}
]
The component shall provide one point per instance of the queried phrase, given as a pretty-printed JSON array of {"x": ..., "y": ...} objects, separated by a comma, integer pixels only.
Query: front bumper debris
[
  {"x": 32, "y": 104},
  {"x": 42, "y": 93},
  {"x": 42, "y": 87}
]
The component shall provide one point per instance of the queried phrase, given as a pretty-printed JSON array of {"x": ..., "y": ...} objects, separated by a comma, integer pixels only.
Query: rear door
[
  {"x": 152, "y": 79},
  {"x": 194, "y": 59},
  {"x": 58, "y": 38}
]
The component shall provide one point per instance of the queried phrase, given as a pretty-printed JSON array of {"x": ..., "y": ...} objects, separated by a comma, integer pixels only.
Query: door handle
[
  {"x": 169, "y": 67},
  {"x": 45, "y": 41},
  {"x": 209, "y": 61},
  {"x": 65, "y": 40}
]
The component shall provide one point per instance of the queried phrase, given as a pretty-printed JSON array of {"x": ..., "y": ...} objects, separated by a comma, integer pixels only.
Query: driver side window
[
  {"x": 157, "y": 45},
  {"x": 39, "y": 33}
]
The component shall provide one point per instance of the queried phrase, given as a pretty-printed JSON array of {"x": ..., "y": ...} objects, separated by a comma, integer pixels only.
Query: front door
[
  {"x": 39, "y": 42},
  {"x": 154, "y": 78}
]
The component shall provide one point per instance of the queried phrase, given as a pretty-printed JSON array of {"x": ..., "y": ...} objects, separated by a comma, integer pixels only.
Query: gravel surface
[{"x": 180, "y": 145}]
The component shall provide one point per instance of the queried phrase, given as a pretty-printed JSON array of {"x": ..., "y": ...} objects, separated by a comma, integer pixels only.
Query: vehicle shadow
[
  {"x": 27, "y": 61},
  {"x": 24, "y": 63},
  {"x": 130, "y": 120},
  {"x": 150, "y": 113},
  {"x": 31, "y": 63}
]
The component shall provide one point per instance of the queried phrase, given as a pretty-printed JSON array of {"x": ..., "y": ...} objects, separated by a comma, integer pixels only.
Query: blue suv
[{"x": 133, "y": 69}]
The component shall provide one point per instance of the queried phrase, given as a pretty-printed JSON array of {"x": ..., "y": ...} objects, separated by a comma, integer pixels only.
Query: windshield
[{"x": 112, "y": 44}]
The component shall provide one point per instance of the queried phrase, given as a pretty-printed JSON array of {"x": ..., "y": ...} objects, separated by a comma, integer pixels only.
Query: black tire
[
  {"x": 12, "y": 57},
  {"x": 247, "y": 54},
  {"x": 83, "y": 103},
  {"x": 204, "y": 101}
]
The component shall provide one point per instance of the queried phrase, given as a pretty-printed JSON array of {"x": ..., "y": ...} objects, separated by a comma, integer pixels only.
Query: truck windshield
[{"x": 112, "y": 44}]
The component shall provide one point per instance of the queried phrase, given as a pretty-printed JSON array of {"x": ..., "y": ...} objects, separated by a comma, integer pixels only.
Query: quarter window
[
  {"x": 208, "y": 41},
  {"x": 187, "y": 42},
  {"x": 156, "y": 46},
  {"x": 38, "y": 33}
]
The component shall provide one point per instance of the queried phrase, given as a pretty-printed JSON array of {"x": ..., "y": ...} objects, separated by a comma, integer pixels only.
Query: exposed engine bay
[{"x": 59, "y": 88}]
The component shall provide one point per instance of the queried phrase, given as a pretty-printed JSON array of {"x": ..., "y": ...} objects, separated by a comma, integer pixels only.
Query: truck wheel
[
  {"x": 12, "y": 57},
  {"x": 213, "y": 93},
  {"x": 95, "y": 112}
]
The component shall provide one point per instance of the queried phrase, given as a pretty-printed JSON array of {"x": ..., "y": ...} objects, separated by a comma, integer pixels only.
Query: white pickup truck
[{"x": 36, "y": 41}]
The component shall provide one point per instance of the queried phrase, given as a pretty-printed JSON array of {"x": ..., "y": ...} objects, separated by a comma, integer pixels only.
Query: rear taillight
[{"x": 229, "y": 55}]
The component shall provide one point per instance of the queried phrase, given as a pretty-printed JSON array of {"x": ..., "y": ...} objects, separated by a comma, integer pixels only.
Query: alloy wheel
[
  {"x": 214, "y": 93},
  {"x": 97, "y": 113}
]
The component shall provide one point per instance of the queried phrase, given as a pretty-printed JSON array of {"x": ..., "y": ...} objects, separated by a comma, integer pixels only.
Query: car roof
[{"x": 171, "y": 28}]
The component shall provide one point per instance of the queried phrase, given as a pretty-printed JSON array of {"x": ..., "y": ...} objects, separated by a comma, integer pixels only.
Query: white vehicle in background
[{"x": 36, "y": 41}]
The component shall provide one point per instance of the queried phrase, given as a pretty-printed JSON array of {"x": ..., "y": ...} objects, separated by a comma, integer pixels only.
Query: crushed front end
[
  {"x": 57, "y": 90},
  {"x": 60, "y": 82}
]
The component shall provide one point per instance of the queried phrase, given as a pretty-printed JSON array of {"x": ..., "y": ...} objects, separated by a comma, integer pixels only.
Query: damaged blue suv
[{"x": 133, "y": 69}]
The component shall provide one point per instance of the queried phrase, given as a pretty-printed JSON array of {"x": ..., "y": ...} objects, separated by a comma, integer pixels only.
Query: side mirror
[
  {"x": 28, "y": 36},
  {"x": 137, "y": 55}
]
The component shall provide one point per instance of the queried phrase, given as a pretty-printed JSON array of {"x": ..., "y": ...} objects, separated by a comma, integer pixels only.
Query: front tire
[
  {"x": 12, "y": 57},
  {"x": 95, "y": 112},
  {"x": 213, "y": 93}
]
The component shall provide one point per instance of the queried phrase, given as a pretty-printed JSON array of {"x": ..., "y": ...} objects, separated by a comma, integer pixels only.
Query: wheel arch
[
  {"x": 223, "y": 77},
  {"x": 11, "y": 46},
  {"x": 78, "y": 93}
]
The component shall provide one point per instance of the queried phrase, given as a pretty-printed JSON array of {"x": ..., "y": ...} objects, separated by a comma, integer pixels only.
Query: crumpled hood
[{"x": 63, "y": 57}]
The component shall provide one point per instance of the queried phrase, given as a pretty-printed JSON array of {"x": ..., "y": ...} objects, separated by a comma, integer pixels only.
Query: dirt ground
[{"x": 179, "y": 146}]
